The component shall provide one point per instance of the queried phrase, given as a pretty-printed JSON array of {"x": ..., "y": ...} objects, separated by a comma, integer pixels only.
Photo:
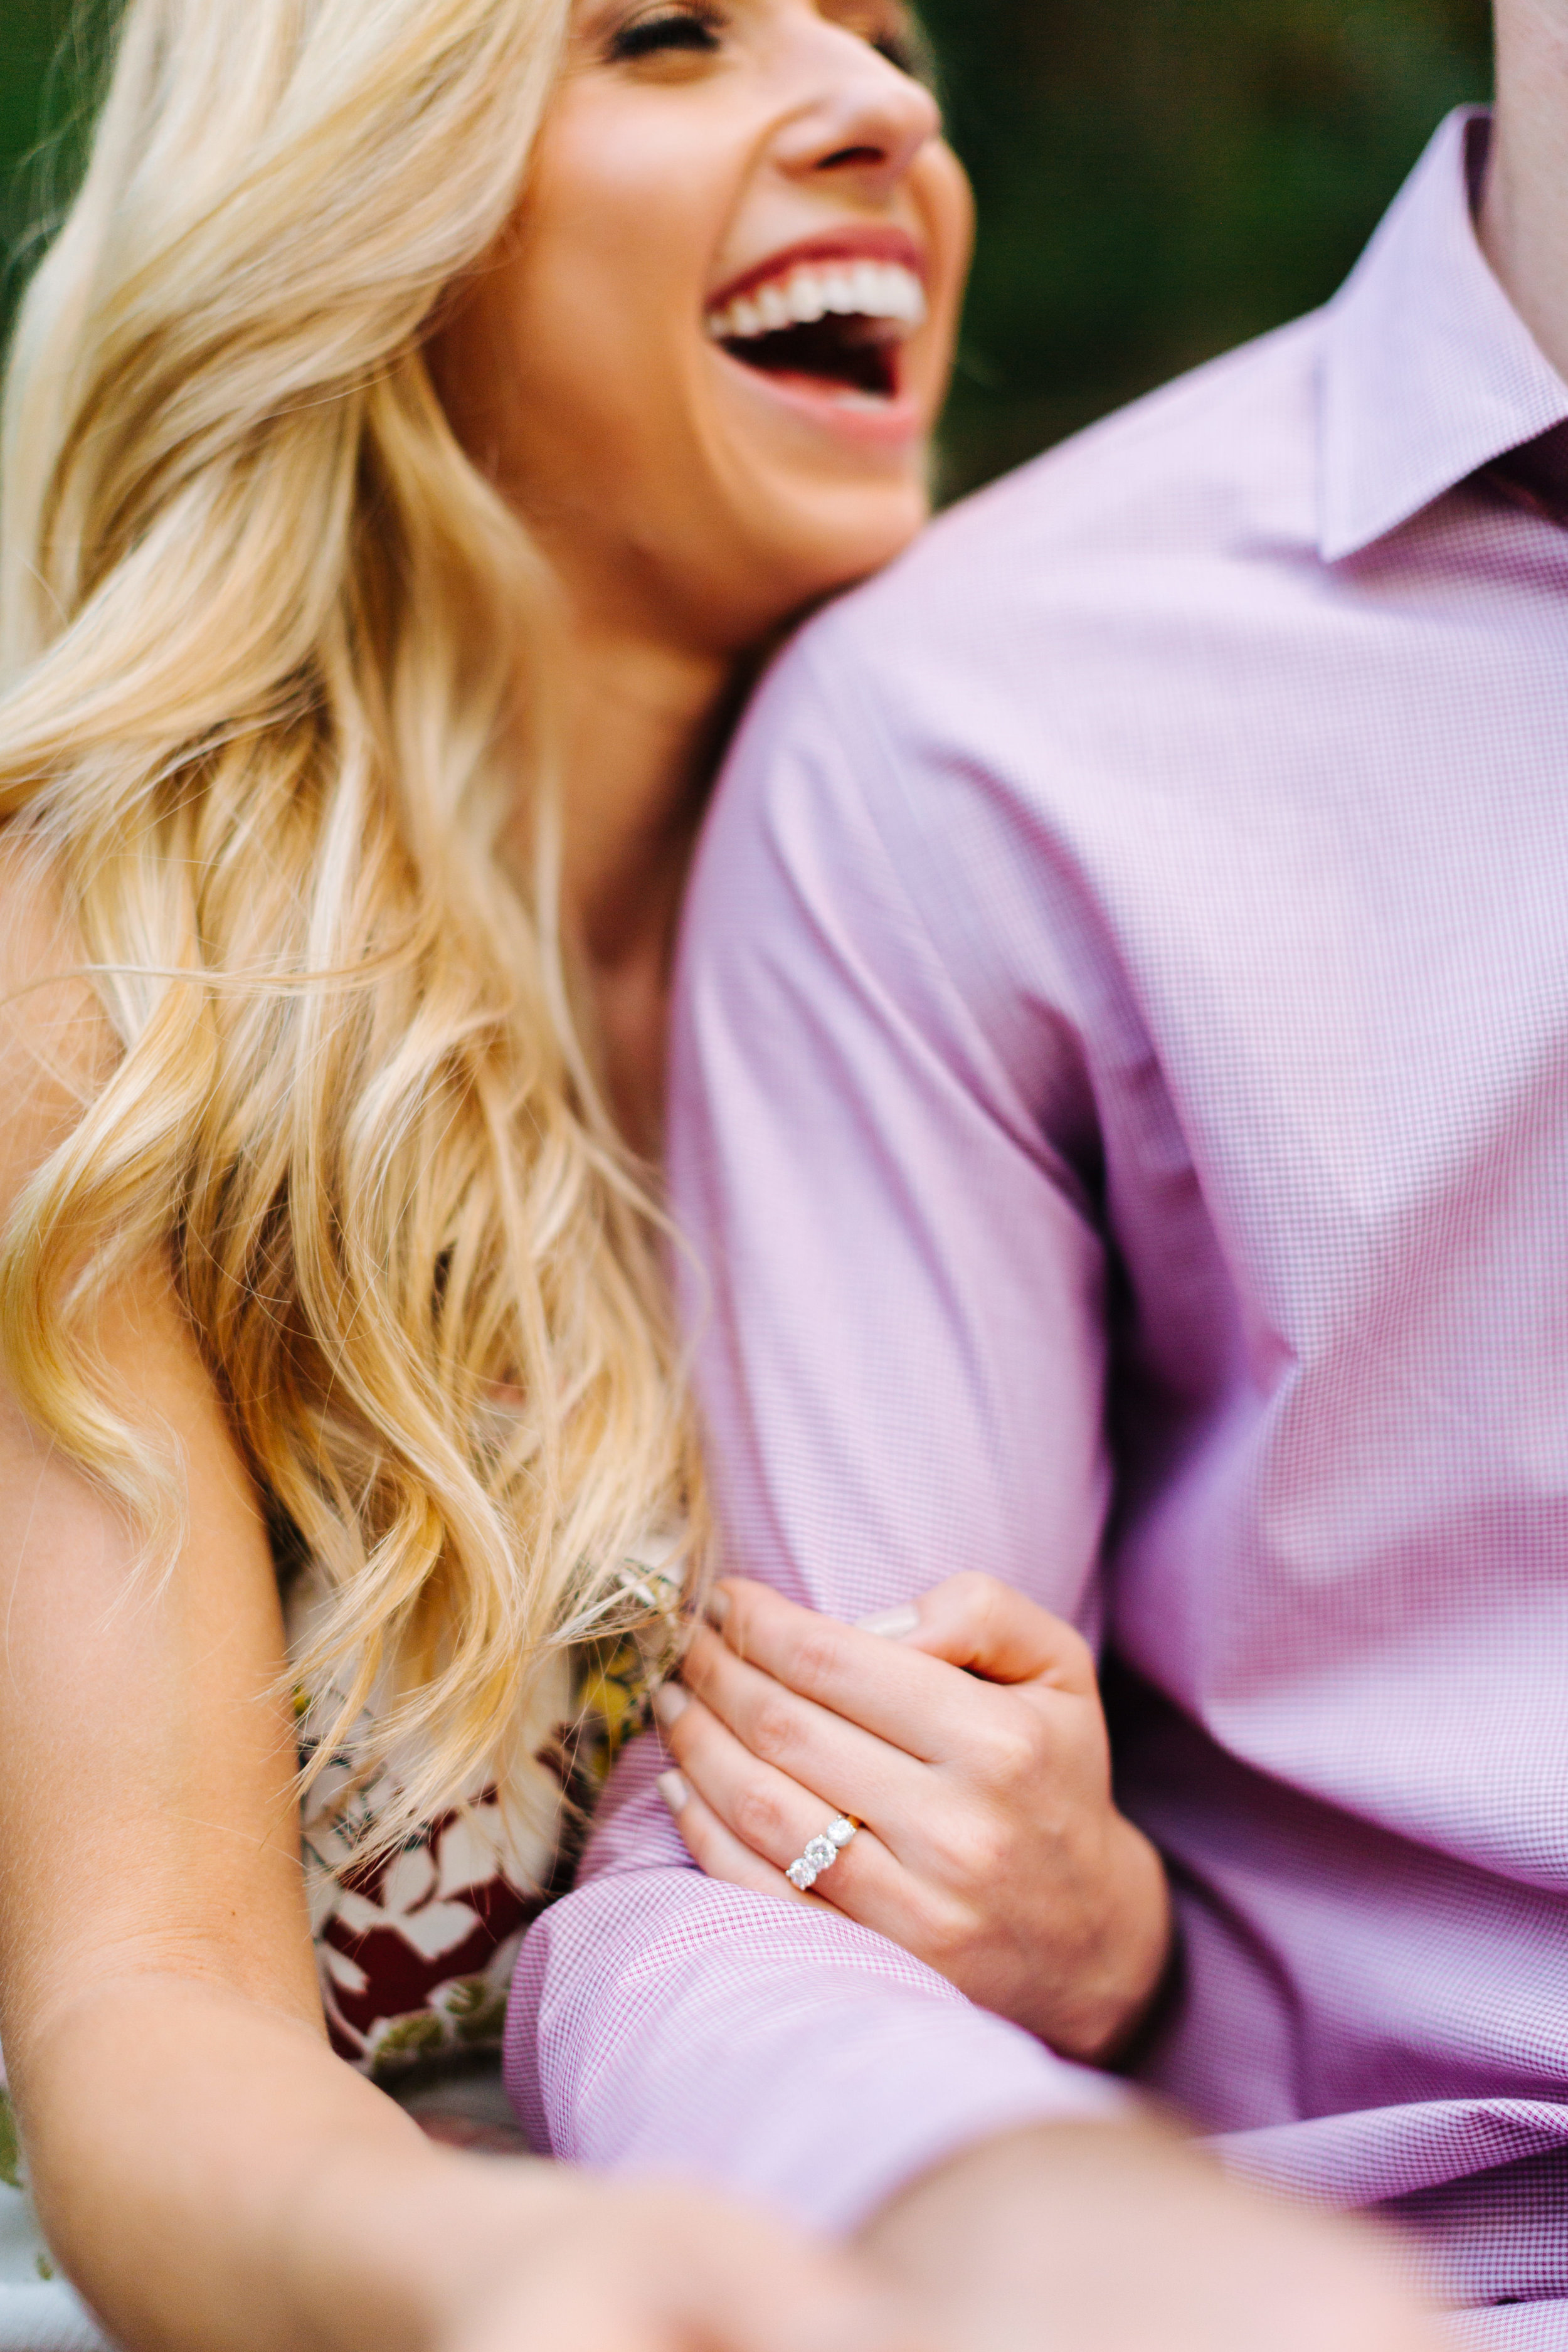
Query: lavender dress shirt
[{"x": 1122, "y": 1109}]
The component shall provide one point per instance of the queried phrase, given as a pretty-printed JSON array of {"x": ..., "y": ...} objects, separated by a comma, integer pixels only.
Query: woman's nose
[{"x": 866, "y": 118}]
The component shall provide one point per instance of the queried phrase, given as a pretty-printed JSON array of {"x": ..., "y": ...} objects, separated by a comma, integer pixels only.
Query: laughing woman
[{"x": 425, "y": 416}]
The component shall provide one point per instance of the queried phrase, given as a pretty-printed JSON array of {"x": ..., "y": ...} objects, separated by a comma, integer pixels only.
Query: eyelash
[
  {"x": 693, "y": 31},
  {"x": 904, "y": 54},
  {"x": 650, "y": 36}
]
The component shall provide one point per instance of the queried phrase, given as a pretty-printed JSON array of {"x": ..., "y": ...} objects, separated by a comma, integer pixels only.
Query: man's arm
[
  {"x": 894, "y": 1281},
  {"x": 895, "y": 1300},
  {"x": 893, "y": 1291}
]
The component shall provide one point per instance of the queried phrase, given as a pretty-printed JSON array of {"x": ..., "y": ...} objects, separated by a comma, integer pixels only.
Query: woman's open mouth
[{"x": 828, "y": 326}]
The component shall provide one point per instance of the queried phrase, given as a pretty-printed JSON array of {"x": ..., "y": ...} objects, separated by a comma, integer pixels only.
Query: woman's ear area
[{"x": 467, "y": 350}]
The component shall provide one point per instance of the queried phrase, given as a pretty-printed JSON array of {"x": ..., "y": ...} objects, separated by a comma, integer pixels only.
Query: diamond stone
[
  {"x": 841, "y": 1831},
  {"x": 802, "y": 1874},
  {"x": 820, "y": 1852}
]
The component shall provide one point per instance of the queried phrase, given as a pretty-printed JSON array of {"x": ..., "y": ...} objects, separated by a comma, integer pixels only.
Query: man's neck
[
  {"x": 646, "y": 722},
  {"x": 1524, "y": 207}
]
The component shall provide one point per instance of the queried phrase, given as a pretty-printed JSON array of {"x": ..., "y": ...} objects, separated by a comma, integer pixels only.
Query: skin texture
[
  {"x": 1524, "y": 218},
  {"x": 1106, "y": 2239},
  {"x": 972, "y": 1748}
]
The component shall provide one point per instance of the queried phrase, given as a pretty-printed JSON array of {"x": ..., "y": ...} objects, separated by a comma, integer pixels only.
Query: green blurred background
[{"x": 1157, "y": 179}]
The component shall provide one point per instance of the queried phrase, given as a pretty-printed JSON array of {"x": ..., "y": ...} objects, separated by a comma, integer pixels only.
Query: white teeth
[
  {"x": 870, "y": 293},
  {"x": 773, "y": 307},
  {"x": 810, "y": 291}
]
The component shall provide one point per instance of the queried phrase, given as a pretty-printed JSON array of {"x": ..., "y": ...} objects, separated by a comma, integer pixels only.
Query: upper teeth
[{"x": 865, "y": 289}]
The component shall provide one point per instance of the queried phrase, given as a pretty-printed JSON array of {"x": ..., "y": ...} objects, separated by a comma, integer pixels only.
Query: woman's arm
[{"x": 207, "y": 2172}]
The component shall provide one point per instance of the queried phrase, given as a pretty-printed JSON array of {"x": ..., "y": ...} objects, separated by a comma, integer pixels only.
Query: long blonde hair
[{"x": 271, "y": 656}]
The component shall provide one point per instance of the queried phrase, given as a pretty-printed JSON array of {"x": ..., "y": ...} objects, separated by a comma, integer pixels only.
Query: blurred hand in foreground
[
  {"x": 626, "y": 2267},
  {"x": 1088, "y": 2237}
]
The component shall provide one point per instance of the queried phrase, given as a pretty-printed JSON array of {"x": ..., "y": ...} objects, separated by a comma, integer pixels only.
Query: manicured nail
[
  {"x": 893, "y": 1624},
  {"x": 670, "y": 1703},
  {"x": 672, "y": 1788},
  {"x": 718, "y": 1609}
]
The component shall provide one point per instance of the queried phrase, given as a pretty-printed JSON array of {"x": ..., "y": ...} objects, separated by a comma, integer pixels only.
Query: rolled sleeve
[{"x": 665, "y": 2022}]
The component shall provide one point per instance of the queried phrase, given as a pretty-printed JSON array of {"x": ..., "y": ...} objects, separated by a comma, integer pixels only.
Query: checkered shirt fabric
[{"x": 1120, "y": 1106}]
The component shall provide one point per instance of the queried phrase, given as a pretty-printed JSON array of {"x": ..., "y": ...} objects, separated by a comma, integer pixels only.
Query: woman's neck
[
  {"x": 647, "y": 727},
  {"x": 1524, "y": 210}
]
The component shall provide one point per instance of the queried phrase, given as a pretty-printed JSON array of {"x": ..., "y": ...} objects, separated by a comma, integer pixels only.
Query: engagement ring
[{"x": 822, "y": 1852}]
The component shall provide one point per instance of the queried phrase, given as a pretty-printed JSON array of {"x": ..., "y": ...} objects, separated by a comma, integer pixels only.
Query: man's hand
[{"x": 1118, "y": 2238}]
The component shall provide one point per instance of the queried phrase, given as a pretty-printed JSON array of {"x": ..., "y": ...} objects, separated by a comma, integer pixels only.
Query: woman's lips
[
  {"x": 879, "y": 420},
  {"x": 820, "y": 326}
]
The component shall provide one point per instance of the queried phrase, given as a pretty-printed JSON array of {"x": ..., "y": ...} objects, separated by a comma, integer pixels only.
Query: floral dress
[{"x": 415, "y": 1950}]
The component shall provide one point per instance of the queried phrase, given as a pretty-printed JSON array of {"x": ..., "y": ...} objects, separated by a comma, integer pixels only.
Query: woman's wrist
[{"x": 437, "y": 2234}]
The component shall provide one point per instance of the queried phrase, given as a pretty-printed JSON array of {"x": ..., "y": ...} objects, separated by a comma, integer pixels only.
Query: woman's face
[{"x": 706, "y": 358}]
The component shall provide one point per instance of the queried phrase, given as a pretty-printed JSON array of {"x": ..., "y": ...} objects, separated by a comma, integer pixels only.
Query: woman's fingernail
[
  {"x": 718, "y": 1609},
  {"x": 670, "y": 1703},
  {"x": 672, "y": 1788},
  {"x": 893, "y": 1624}
]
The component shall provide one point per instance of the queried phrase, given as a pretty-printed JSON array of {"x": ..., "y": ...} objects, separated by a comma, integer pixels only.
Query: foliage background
[{"x": 1157, "y": 179}]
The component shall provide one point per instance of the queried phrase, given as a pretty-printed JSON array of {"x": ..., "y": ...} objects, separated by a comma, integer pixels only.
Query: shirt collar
[{"x": 1428, "y": 370}]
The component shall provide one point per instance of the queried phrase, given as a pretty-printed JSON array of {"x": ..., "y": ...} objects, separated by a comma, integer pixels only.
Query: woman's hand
[
  {"x": 617, "y": 2266},
  {"x": 1083, "y": 2237},
  {"x": 972, "y": 1747}
]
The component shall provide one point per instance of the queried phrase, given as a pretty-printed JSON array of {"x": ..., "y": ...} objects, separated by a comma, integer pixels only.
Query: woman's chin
[
  {"x": 833, "y": 478},
  {"x": 851, "y": 546},
  {"x": 809, "y": 536}
]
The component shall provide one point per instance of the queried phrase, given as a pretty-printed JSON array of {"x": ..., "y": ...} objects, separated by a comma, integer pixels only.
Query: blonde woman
[{"x": 426, "y": 413}]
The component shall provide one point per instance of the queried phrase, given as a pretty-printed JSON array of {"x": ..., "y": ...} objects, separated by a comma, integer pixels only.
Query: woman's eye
[
  {"x": 902, "y": 50},
  {"x": 674, "y": 28},
  {"x": 896, "y": 33}
]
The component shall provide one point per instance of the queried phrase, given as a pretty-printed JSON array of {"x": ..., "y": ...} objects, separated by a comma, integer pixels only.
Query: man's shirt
[{"x": 1120, "y": 1110}]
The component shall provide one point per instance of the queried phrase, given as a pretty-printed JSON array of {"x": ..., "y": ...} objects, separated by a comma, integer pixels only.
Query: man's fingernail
[
  {"x": 718, "y": 1609},
  {"x": 893, "y": 1624},
  {"x": 670, "y": 1703},
  {"x": 672, "y": 1788}
]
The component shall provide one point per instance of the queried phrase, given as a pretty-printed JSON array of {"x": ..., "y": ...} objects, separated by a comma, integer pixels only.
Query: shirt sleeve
[{"x": 892, "y": 1281}]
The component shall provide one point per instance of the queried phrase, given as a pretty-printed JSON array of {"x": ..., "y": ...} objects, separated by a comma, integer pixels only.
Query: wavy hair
[{"x": 274, "y": 667}]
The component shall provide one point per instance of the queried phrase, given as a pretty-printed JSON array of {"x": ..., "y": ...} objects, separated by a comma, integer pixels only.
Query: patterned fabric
[
  {"x": 415, "y": 1950},
  {"x": 1120, "y": 1096}
]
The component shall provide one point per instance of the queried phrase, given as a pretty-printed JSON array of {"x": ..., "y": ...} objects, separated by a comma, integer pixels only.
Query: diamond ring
[{"x": 822, "y": 1852}]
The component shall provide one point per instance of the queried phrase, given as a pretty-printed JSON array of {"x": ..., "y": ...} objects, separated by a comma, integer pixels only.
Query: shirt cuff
[{"x": 664, "y": 2022}]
